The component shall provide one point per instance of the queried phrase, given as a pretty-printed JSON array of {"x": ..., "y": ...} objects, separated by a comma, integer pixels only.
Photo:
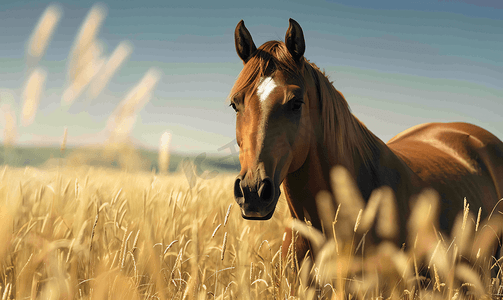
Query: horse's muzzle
[{"x": 258, "y": 200}]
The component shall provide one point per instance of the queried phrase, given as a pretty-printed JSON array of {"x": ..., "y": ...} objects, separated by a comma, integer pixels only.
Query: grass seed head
[
  {"x": 10, "y": 127},
  {"x": 224, "y": 245},
  {"x": 227, "y": 214},
  {"x": 43, "y": 31},
  {"x": 31, "y": 95},
  {"x": 63, "y": 140},
  {"x": 164, "y": 153},
  {"x": 105, "y": 74}
]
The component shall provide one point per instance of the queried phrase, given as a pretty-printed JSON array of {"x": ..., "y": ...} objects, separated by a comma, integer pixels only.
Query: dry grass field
[
  {"x": 72, "y": 231},
  {"x": 88, "y": 233},
  {"x": 82, "y": 233}
]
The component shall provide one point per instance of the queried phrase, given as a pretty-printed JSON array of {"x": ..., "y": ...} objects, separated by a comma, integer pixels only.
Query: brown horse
[{"x": 293, "y": 127}]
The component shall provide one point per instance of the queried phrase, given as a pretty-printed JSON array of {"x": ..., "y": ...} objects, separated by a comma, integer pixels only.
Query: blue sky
[{"x": 398, "y": 63}]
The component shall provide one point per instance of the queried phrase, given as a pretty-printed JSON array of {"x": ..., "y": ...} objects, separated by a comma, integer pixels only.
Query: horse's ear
[
  {"x": 244, "y": 42},
  {"x": 294, "y": 40}
]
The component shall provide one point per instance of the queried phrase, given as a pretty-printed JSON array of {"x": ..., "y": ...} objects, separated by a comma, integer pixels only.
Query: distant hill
[{"x": 116, "y": 157}]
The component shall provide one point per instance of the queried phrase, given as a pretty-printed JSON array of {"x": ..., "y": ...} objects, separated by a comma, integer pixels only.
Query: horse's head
[{"x": 273, "y": 99}]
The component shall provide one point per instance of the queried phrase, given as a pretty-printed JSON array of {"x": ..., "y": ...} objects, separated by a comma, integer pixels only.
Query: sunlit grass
[
  {"x": 83, "y": 232},
  {"x": 79, "y": 232}
]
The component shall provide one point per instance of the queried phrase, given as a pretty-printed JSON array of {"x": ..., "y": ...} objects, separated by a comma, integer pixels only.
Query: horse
[{"x": 293, "y": 127}]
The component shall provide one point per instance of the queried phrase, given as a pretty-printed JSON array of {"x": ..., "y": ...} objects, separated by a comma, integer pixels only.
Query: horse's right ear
[{"x": 244, "y": 42}]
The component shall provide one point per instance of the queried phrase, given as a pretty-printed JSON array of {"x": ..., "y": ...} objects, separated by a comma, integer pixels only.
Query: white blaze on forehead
[{"x": 266, "y": 86}]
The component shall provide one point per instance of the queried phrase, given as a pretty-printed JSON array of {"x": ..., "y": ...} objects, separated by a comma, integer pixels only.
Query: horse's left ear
[{"x": 294, "y": 40}]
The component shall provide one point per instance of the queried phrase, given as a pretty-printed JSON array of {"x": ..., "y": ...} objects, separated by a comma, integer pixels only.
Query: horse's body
[{"x": 293, "y": 127}]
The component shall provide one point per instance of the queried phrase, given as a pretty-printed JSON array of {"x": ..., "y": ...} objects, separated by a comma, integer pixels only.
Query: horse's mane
[{"x": 343, "y": 133}]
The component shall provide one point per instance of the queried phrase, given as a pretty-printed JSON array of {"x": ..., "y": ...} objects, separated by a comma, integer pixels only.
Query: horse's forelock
[{"x": 268, "y": 58}]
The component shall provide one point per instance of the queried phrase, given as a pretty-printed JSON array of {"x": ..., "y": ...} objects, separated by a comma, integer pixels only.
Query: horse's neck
[
  {"x": 381, "y": 167},
  {"x": 302, "y": 186}
]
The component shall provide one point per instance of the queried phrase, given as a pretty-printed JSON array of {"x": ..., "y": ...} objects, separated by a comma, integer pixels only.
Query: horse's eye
[
  {"x": 233, "y": 106},
  {"x": 297, "y": 105}
]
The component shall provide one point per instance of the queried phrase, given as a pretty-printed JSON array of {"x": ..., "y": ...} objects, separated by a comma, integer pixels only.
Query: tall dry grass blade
[
  {"x": 425, "y": 211},
  {"x": 358, "y": 219},
  {"x": 325, "y": 207},
  {"x": 124, "y": 248},
  {"x": 224, "y": 245},
  {"x": 422, "y": 222},
  {"x": 437, "y": 284},
  {"x": 31, "y": 95},
  {"x": 164, "y": 153},
  {"x": 346, "y": 192},
  {"x": 135, "y": 241},
  {"x": 121, "y": 121},
  {"x": 62, "y": 148},
  {"x": 478, "y": 220},
  {"x": 24, "y": 267},
  {"x": 467, "y": 275},
  {"x": 370, "y": 212},
  {"x": 227, "y": 214},
  {"x": 463, "y": 232},
  {"x": 438, "y": 258},
  {"x": 116, "y": 197},
  {"x": 169, "y": 246},
  {"x": 325, "y": 258},
  {"x": 387, "y": 223},
  {"x": 41, "y": 35},
  {"x": 6, "y": 229},
  {"x": 316, "y": 237},
  {"x": 93, "y": 231},
  {"x": 80, "y": 236},
  {"x": 466, "y": 210},
  {"x": 85, "y": 59},
  {"x": 90, "y": 63},
  {"x": 10, "y": 127},
  {"x": 7, "y": 291},
  {"x": 402, "y": 263},
  {"x": 488, "y": 238},
  {"x": 304, "y": 272},
  {"x": 102, "y": 78},
  {"x": 215, "y": 231},
  {"x": 85, "y": 38}
]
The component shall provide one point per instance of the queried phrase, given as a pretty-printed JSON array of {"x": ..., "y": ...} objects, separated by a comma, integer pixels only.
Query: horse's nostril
[
  {"x": 238, "y": 191},
  {"x": 266, "y": 190}
]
